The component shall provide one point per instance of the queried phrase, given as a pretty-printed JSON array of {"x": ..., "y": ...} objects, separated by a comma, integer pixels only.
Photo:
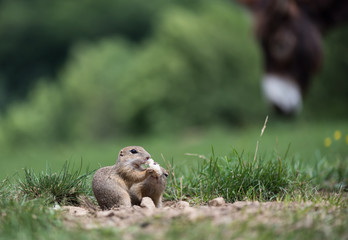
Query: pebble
[
  {"x": 147, "y": 202},
  {"x": 216, "y": 202},
  {"x": 76, "y": 211},
  {"x": 182, "y": 204},
  {"x": 107, "y": 213}
]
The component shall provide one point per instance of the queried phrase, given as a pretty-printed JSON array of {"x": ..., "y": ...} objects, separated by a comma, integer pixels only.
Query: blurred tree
[
  {"x": 36, "y": 35},
  {"x": 329, "y": 96},
  {"x": 199, "y": 68}
]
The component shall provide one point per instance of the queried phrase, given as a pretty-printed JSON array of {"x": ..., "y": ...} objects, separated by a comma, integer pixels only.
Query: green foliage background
[{"x": 95, "y": 70}]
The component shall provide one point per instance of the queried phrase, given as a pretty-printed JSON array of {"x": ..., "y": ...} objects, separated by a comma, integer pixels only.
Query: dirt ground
[{"x": 217, "y": 211}]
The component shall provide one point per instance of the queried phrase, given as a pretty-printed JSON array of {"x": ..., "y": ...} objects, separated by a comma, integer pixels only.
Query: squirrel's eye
[{"x": 133, "y": 151}]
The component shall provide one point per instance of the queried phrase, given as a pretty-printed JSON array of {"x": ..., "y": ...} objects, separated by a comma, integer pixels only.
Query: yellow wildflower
[
  {"x": 337, "y": 135},
  {"x": 327, "y": 142}
]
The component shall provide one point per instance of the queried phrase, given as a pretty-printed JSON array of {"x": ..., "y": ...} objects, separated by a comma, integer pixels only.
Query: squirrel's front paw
[{"x": 152, "y": 172}]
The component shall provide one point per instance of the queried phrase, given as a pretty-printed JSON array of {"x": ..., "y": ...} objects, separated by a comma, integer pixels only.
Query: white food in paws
[{"x": 154, "y": 166}]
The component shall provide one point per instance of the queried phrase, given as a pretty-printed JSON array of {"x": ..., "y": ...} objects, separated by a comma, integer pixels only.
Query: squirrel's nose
[{"x": 147, "y": 158}]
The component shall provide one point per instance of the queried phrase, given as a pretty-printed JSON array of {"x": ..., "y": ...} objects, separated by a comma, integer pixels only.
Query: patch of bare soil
[{"x": 217, "y": 211}]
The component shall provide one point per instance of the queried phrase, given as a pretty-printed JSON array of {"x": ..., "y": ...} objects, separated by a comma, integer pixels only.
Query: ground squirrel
[
  {"x": 111, "y": 184},
  {"x": 153, "y": 187}
]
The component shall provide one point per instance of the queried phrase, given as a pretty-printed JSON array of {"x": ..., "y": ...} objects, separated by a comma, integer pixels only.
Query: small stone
[
  {"x": 56, "y": 207},
  {"x": 216, "y": 202},
  {"x": 76, "y": 211},
  {"x": 107, "y": 213},
  {"x": 182, "y": 204},
  {"x": 136, "y": 207},
  {"x": 147, "y": 202},
  {"x": 145, "y": 224},
  {"x": 239, "y": 204}
]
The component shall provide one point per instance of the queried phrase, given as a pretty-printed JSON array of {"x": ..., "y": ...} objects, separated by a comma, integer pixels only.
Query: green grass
[
  {"x": 22, "y": 217},
  {"x": 306, "y": 141},
  {"x": 233, "y": 177},
  {"x": 308, "y": 171},
  {"x": 237, "y": 177},
  {"x": 303, "y": 143},
  {"x": 64, "y": 187},
  {"x": 330, "y": 173}
]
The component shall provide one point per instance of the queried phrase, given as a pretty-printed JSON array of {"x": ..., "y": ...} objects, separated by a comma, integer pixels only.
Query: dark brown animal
[{"x": 290, "y": 35}]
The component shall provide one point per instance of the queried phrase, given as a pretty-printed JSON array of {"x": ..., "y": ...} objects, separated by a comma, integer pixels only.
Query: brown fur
[
  {"x": 111, "y": 184},
  {"x": 153, "y": 187},
  {"x": 290, "y": 35}
]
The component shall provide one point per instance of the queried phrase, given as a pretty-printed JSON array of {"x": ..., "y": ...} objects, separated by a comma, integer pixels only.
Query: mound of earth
[{"x": 217, "y": 211}]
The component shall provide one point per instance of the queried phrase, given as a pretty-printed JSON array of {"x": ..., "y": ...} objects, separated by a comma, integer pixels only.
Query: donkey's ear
[
  {"x": 282, "y": 7},
  {"x": 251, "y": 4},
  {"x": 278, "y": 7}
]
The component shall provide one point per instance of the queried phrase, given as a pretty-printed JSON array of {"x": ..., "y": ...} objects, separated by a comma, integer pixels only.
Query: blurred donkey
[{"x": 290, "y": 34}]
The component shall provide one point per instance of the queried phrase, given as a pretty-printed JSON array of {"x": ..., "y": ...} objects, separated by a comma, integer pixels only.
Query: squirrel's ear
[{"x": 121, "y": 153}]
